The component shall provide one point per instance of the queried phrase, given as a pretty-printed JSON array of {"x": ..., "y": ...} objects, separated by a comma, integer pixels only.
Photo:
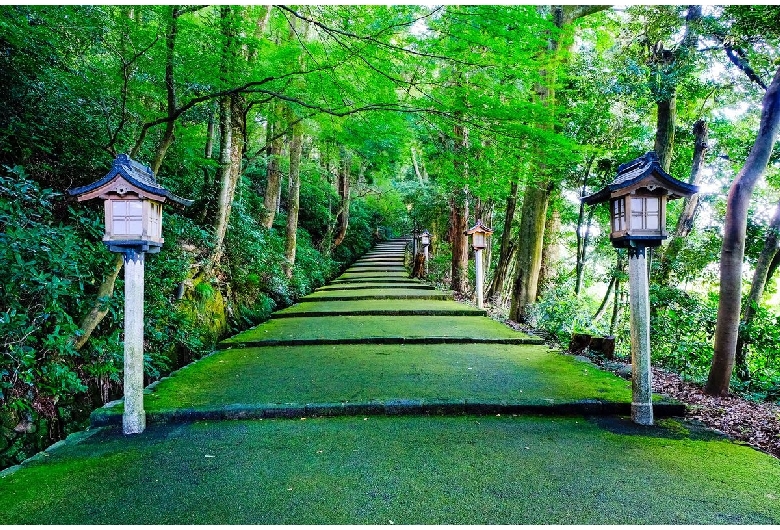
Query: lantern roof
[
  {"x": 479, "y": 227},
  {"x": 137, "y": 175},
  {"x": 643, "y": 172}
]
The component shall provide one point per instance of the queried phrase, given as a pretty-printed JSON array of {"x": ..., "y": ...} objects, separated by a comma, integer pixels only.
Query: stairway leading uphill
[{"x": 375, "y": 341}]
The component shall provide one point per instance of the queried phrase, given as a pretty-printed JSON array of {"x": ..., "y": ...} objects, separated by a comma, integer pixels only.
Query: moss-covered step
[
  {"x": 373, "y": 274},
  {"x": 379, "y": 307},
  {"x": 384, "y": 268},
  {"x": 474, "y": 377},
  {"x": 377, "y": 264},
  {"x": 375, "y": 279},
  {"x": 380, "y": 294},
  {"x": 378, "y": 329},
  {"x": 375, "y": 285}
]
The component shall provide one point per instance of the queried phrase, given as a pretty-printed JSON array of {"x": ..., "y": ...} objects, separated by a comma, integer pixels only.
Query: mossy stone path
[
  {"x": 380, "y": 342},
  {"x": 372, "y": 402}
]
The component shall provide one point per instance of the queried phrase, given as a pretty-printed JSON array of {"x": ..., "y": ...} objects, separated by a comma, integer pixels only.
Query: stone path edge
[
  {"x": 376, "y": 340},
  {"x": 420, "y": 407}
]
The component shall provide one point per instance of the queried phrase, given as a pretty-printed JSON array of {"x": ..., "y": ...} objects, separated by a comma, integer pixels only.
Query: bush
[{"x": 45, "y": 266}]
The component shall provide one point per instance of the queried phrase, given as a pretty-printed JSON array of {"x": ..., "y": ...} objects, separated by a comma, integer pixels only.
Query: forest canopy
[{"x": 304, "y": 134}]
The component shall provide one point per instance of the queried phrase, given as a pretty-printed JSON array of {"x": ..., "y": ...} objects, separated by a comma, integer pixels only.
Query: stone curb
[
  {"x": 385, "y": 312},
  {"x": 391, "y": 407},
  {"x": 377, "y": 341}
]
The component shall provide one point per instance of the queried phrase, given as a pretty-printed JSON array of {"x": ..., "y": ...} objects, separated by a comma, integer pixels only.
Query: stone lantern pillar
[
  {"x": 637, "y": 199},
  {"x": 479, "y": 233},
  {"x": 133, "y": 217}
]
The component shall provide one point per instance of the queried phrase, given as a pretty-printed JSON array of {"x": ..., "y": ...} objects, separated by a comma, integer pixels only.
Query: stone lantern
[
  {"x": 637, "y": 200},
  {"x": 133, "y": 202},
  {"x": 425, "y": 242},
  {"x": 133, "y": 206},
  {"x": 479, "y": 233},
  {"x": 425, "y": 238}
]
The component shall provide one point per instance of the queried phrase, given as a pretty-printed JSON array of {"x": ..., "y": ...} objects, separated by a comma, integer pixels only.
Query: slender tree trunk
[
  {"x": 342, "y": 219},
  {"x": 757, "y": 286},
  {"x": 499, "y": 277},
  {"x": 228, "y": 173},
  {"x": 293, "y": 201},
  {"x": 274, "y": 180},
  {"x": 170, "y": 87},
  {"x": 690, "y": 205},
  {"x": 583, "y": 254},
  {"x": 101, "y": 307},
  {"x": 580, "y": 234},
  {"x": 605, "y": 300},
  {"x": 733, "y": 250}
]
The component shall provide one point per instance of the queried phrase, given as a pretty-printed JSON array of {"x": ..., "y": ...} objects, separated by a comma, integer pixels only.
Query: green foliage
[
  {"x": 561, "y": 314},
  {"x": 682, "y": 325},
  {"x": 45, "y": 266},
  {"x": 762, "y": 336}
]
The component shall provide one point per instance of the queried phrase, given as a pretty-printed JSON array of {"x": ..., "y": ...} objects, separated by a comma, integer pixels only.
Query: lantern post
[
  {"x": 425, "y": 241},
  {"x": 637, "y": 199},
  {"x": 478, "y": 234},
  {"x": 133, "y": 221}
]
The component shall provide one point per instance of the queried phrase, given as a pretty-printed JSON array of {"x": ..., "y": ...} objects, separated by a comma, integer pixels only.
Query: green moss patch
[
  {"x": 348, "y": 327},
  {"x": 330, "y": 374},
  {"x": 380, "y": 307},
  {"x": 401, "y": 470},
  {"x": 380, "y": 294}
]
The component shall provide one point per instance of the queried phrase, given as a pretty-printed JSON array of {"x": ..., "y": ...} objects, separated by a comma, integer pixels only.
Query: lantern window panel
[
  {"x": 645, "y": 213},
  {"x": 618, "y": 215},
  {"x": 155, "y": 220},
  {"x": 127, "y": 217}
]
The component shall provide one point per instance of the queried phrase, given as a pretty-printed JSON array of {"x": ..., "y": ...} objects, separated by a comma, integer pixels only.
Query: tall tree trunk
[
  {"x": 664, "y": 132},
  {"x": 274, "y": 181},
  {"x": 757, "y": 286},
  {"x": 690, "y": 205},
  {"x": 537, "y": 195},
  {"x": 499, "y": 277},
  {"x": 293, "y": 201},
  {"x": 529, "y": 253},
  {"x": 342, "y": 219},
  {"x": 170, "y": 87},
  {"x": 227, "y": 175},
  {"x": 459, "y": 215},
  {"x": 551, "y": 251},
  {"x": 733, "y": 250},
  {"x": 665, "y": 61}
]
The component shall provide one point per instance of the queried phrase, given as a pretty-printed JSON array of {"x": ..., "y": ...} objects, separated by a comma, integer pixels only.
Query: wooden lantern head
[
  {"x": 637, "y": 199},
  {"x": 478, "y": 234},
  {"x": 425, "y": 238},
  {"x": 133, "y": 206}
]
